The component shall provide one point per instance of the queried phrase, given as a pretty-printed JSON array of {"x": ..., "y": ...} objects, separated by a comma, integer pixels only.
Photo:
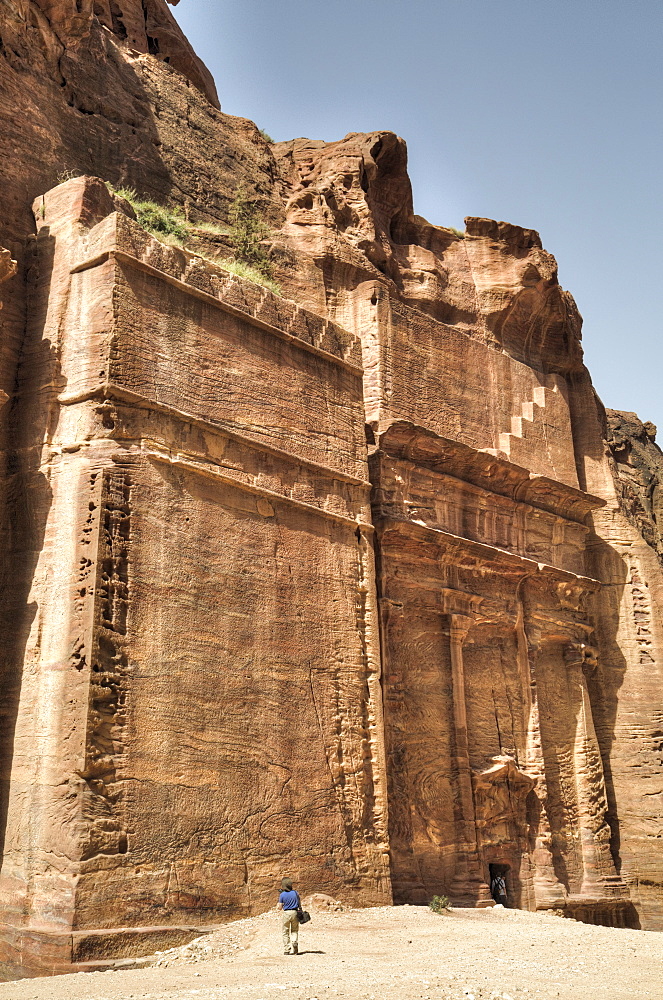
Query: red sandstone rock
[
  {"x": 147, "y": 26},
  {"x": 349, "y": 211},
  {"x": 7, "y": 265},
  {"x": 359, "y": 251},
  {"x": 196, "y": 478}
]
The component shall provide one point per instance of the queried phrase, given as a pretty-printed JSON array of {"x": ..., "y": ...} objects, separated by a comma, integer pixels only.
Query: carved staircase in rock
[{"x": 538, "y": 428}]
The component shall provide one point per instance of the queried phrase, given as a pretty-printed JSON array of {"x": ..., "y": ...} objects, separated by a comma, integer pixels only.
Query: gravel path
[{"x": 388, "y": 953}]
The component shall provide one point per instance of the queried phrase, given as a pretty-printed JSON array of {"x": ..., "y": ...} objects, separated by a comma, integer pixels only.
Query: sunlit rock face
[
  {"x": 64, "y": 26},
  {"x": 356, "y": 584},
  {"x": 350, "y": 209}
]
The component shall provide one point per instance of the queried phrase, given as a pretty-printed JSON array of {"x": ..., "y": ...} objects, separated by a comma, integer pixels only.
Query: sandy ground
[{"x": 397, "y": 953}]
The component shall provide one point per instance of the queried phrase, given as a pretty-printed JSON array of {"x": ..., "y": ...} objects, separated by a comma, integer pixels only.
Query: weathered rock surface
[
  {"x": 349, "y": 214},
  {"x": 639, "y": 466},
  {"x": 219, "y": 715},
  {"x": 367, "y": 261},
  {"x": 347, "y": 585},
  {"x": 63, "y": 26}
]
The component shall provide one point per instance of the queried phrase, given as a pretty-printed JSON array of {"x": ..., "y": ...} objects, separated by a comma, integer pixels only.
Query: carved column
[
  {"x": 468, "y": 885},
  {"x": 548, "y": 890},
  {"x": 525, "y": 677},
  {"x": 599, "y": 876}
]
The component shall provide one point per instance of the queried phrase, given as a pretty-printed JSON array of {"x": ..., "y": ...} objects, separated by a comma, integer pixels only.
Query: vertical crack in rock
[{"x": 109, "y": 674}]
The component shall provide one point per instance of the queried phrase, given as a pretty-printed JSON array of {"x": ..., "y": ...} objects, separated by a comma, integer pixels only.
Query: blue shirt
[{"x": 289, "y": 900}]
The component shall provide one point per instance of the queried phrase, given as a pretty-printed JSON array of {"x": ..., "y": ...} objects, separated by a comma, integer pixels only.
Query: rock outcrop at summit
[
  {"x": 639, "y": 466},
  {"x": 344, "y": 583},
  {"x": 68, "y": 26},
  {"x": 349, "y": 214}
]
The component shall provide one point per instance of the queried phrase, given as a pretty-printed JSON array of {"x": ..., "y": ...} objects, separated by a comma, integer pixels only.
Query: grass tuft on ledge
[
  {"x": 248, "y": 271},
  {"x": 169, "y": 226}
]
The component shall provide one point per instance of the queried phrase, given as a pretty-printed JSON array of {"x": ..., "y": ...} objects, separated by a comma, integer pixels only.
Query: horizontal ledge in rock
[
  {"x": 117, "y": 393},
  {"x": 490, "y": 553},
  {"x": 213, "y": 473},
  {"x": 411, "y": 442},
  {"x": 124, "y": 258}
]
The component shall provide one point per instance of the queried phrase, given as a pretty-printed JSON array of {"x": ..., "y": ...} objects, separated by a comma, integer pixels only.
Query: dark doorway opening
[{"x": 500, "y": 883}]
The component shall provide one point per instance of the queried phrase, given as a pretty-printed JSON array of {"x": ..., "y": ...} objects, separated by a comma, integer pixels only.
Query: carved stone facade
[
  {"x": 485, "y": 646},
  {"x": 214, "y": 579},
  {"x": 205, "y": 701},
  {"x": 344, "y": 585}
]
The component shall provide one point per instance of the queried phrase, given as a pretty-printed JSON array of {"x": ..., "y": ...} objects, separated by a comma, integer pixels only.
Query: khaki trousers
[{"x": 290, "y": 929}]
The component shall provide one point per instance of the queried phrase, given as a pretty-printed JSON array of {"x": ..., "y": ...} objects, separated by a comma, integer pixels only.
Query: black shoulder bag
[{"x": 303, "y": 916}]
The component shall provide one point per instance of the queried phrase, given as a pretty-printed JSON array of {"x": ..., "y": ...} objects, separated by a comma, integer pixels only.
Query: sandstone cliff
[
  {"x": 349, "y": 211},
  {"x": 344, "y": 581},
  {"x": 639, "y": 467}
]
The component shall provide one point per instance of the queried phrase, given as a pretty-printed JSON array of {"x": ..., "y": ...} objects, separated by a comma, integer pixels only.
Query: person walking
[
  {"x": 290, "y": 903},
  {"x": 498, "y": 889}
]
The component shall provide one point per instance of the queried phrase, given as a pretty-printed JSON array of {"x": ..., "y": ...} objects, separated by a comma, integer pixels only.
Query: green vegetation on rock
[
  {"x": 248, "y": 234},
  {"x": 243, "y": 270},
  {"x": 439, "y": 904},
  {"x": 245, "y": 234}
]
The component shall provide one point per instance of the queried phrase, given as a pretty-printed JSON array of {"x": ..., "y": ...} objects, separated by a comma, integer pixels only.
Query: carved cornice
[
  {"x": 486, "y": 556},
  {"x": 406, "y": 440}
]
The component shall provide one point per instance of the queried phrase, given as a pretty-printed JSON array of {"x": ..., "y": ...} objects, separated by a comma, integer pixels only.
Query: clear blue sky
[{"x": 544, "y": 113}]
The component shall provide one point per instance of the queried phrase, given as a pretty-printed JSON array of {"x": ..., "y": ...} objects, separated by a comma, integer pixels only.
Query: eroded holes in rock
[
  {"x": 307, "y": 202},
  {"x": 122, "y": 845},
  {"x": 82, "y": 592},
  {"x": 377, "y": 149},
  {"x": 363, "y": 180},
  {"x": 374, "y": 299},
  {"x": 106, "y": 648},
  {"x": 370, "y": 436},
  {"x": 81, "y": 110},
  {"x": 78, "y": 658},
  {"x": 152, "y": 45}
]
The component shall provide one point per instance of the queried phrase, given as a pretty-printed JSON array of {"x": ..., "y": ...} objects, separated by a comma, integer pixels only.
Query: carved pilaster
[
  {"x": 599, "y": 876},
  {"x": 468, "y": 886},
  {"x": 548, "y": 890},
  {"x": 525, "y": 676}
]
